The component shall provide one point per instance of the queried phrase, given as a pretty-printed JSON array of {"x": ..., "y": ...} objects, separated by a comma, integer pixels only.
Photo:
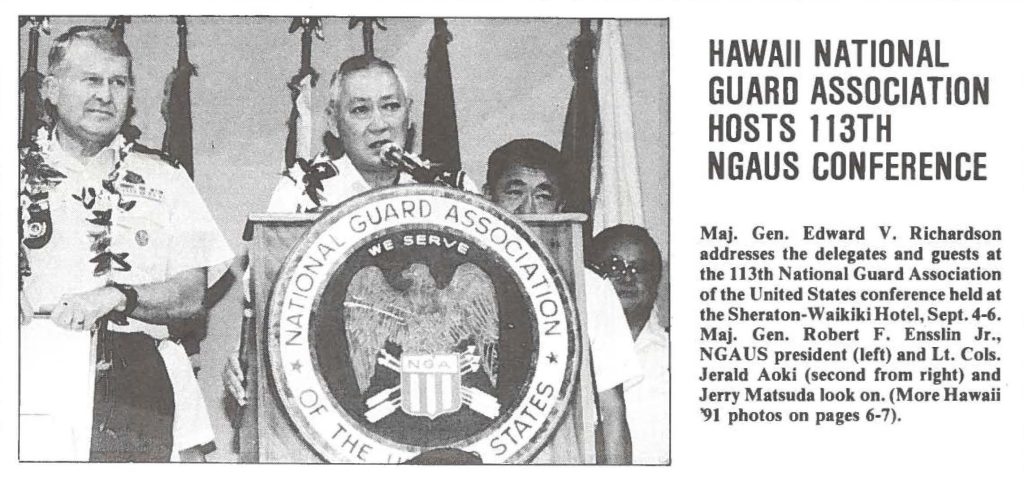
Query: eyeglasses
[{"x": 616, "y": 267}]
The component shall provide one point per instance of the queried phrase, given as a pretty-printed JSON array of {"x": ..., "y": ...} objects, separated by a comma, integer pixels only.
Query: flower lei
[
  {"x": 38, "y": 179},
  {"x": 311, "y": 174}
]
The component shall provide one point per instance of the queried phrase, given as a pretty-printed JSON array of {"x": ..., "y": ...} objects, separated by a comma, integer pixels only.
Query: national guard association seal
[{"x": 416, "y": 318}]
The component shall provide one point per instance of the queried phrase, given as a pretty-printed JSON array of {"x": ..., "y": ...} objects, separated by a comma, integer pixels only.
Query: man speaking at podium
[{"x": 370, "y": 109}]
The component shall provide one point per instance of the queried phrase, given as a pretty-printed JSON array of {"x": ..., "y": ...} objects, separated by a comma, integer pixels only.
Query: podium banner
[{"x": 410, "y": 319}]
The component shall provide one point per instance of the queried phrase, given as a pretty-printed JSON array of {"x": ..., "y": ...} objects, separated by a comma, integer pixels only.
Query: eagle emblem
[
  {"x": 443, "y": 334},
  {"x": 416, "y": 317}
]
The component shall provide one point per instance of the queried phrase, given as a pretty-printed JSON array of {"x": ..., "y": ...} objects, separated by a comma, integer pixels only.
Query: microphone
[{"x": 421, "y": 170}]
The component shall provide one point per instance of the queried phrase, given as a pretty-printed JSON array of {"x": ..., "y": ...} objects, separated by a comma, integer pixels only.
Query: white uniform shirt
[
  {"x": 169, "y": 230},
  {"x": 611, "y": 344},
  {"x": 647, "y": 400}
]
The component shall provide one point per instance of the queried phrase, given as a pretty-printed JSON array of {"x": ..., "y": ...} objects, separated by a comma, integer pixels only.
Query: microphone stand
[{"x": 422, "y": 170}]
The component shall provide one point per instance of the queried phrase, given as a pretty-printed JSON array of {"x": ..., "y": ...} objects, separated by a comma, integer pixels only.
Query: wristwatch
[{"x": 131, "y": 301}]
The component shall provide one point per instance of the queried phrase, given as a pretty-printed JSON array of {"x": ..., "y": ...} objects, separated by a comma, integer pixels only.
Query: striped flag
[{"x": 431, "y": 385}]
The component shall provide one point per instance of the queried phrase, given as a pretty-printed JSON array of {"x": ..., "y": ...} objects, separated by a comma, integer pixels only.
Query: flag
[
  {"x": 368, "y": 23},
  {"x": 440, "y": 127},
  {"x": 299, "y": 143},
  {"x": 300, "y": 136},
  {"x": 130, "y": 131},
  {"x": 32, "y": 80},
  {"x": 615, "y": 173},
  {"x": 117, "y": 24},
  {"x": 580, "y": 122},
  {"x": 177, "y": 106}
]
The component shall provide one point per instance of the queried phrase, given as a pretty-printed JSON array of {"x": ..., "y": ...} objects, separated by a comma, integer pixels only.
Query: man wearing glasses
[{"x": 629, "y": 257}]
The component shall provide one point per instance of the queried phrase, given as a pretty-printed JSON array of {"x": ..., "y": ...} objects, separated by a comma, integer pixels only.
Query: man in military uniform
[{"x": 131, "y": 249}]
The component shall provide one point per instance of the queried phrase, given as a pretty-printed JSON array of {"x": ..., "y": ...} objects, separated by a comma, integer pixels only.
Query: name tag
[{"x": 142, "y": 191}]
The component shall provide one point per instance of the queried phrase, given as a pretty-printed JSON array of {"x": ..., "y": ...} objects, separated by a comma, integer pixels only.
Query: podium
[{"x": 267, "y": 433}]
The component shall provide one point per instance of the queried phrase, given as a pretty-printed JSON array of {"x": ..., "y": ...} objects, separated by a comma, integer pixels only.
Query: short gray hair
[
  {"x": 359, "y": 63},
  {"x": 103, "y": 38}
]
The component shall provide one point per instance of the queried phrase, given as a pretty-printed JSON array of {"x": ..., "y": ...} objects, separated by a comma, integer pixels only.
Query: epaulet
[{"x": 143, "y": 149}]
